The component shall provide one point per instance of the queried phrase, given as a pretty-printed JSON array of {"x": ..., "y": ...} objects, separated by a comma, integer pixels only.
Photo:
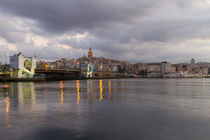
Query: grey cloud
[
  {"x": 64, "y": 14},
  {"x": 158, "y": 29},
  {"x": 9, "y": 32},
  {"x": 118, "y": 28},
  {"x": 60, "y": 16}
]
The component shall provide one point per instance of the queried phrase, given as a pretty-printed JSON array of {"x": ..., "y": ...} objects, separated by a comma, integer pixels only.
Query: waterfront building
[
  {"x": 140, "y": 69},
  {"x": 47, "y": 64},
  {"x": 195, "y": 70},
  {"x": 154, "y": 70},
  {"x": 101, "y": 64},
  {"x": 23, "y": 67},
  {"x": 83, "y": 65},
  {"x": 157, "y": 70},
  {"x": 40, "y": 64},
  {"x": 69, "y": 64},
  {"x": 203, "y": 64},
  {"x": 167, "y": 68},
  {"x": 182, "y": 68},
  {"x": 125, "y": 66},
  {"x": 204, "y": 70}
]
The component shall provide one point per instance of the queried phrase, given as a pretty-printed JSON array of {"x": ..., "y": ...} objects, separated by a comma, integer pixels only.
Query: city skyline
[
  {"x": 144, "y": 31},
  {"x": 6, "y": 59}
]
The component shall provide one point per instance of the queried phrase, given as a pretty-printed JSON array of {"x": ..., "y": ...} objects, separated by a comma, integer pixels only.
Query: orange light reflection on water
[
  {"x": 6, "y": 85},
  {"x": 110, "y": 90},
  {"x": 78, "y": 91},
  {"x": 7, "y": 105},
  {"x": 7, "y": 102},
  {"x": 61, "y": 87},
  {"x": 101, "y": 90}
]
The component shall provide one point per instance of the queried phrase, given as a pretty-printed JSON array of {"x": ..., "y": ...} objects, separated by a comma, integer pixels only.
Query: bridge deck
[{"x": 60, "y": 71}]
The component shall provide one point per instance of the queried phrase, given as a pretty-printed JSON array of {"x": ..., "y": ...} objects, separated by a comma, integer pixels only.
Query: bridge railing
[{"x": 52, "y": 69}]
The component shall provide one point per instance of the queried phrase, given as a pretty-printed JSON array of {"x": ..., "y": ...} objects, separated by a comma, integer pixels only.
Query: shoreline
[
  {"x": 85, "y": 78},
  {"x": 56, "y": 79}
]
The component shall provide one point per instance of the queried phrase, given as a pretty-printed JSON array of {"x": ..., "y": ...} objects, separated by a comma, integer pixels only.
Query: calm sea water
[{"x": 117, "y": 109}]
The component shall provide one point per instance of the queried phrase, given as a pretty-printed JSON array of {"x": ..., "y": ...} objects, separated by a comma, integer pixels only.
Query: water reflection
[
  {"x": 7, "y": 102},
  {"x": 7, "y": 109},
  {"x": 123, "y": 86},
  {"x": 61, "y": 87},
  {"x": 5, "y": 90},
  {"x": 101, "y": 89},
  {"x": 26, "y": 94},
  {"x": 110, "y": 90},
  {"x": 90, "y": 90},
  {"x": 95, "y": 92},
  {"x": 204, "y": 86},
  {"x": 160, "y": 106},
  {"x": 6, "y": 85},
  {"x": 33, "y": 103},
  {"x": 22, "y": 96},
  {"x": 17, "y": 96},
  {"x": 78, "y": 91}
]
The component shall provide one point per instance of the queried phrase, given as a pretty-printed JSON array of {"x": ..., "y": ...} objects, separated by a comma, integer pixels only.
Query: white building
[
  {"x": 167, "y": 68},
  {"x": 24, "y": 67},
  {"x": 154, "y": 70}
]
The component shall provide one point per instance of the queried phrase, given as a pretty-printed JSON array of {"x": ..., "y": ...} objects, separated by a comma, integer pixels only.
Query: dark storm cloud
[
  {"x": 118, "y": 29},
  {"x": 63, "y": 15}
]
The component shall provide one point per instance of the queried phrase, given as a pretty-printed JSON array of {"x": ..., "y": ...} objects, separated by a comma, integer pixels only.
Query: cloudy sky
[{"x": 135, "y": 30}]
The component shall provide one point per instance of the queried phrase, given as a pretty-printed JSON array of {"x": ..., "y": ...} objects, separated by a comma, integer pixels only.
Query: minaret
[{"x": 90, "y": 53}]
